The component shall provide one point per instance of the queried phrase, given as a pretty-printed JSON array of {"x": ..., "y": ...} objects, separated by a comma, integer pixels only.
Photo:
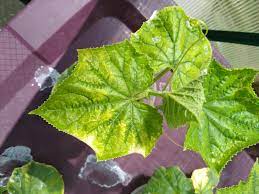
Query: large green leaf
[
  {"x": 169, "y": 181},
  {"x": 251, "y": 186},
  {"x": 100, "y": 102},
  {"x": 171, "y": 39},
  {"x": 35, "y": 178},
  {"x": 229, "y": 120}
]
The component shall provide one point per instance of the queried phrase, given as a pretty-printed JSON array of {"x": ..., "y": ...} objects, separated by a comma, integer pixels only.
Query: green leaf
[
  {"x": 183, "y": 104},
  {"x": 171, "y": 39},
  {"x": 251, "y": 186},
  {"x": 204, "y": 180},
  {"x": 35, "y": 178},
  {"x": 229, "y": 120},
  {"x": 2, "y": 190},
  {"x": 100, "y": 102},
  {"x": 169, "y": 181}
]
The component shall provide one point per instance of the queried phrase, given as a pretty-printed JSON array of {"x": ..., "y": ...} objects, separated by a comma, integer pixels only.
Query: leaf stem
[
  {"x": 168, "y": 81},
  {"x": 173, "y": 141},
  {"x": 155, "y": 93},
  {"x": 161, "y": 74}
]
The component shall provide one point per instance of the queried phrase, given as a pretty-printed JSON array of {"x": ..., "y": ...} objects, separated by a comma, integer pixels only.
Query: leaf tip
[{"x": 35, "y": 112}]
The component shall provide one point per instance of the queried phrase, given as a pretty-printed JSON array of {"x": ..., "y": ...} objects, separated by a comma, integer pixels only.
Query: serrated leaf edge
[
  {"x": 240, "y": 182},
  {"x": 251, "y": 90}
]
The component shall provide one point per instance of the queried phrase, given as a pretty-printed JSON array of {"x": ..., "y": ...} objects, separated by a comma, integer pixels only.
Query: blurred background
[{"x": 227, "y": 15}]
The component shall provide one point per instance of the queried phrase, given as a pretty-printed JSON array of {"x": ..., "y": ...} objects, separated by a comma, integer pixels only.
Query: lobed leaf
[
  {"x": 98, "y": 100},
  {"x": 99, "y": 103},
  {"x": 229, "y": 120},
  {"x": 170, "y": 39}
]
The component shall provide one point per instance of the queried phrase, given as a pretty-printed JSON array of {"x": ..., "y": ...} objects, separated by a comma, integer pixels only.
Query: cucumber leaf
[
  {"x": 171, "y": 39},
  {"x": 204, "y": 180},
  {"x": 251, "y": 186},
  {"x": 229, "y": 120},
  {"x": 100, "y": 102},
  {"x": 184, "y": 104},
  {"x": 169, "y": 181},
  {"x": 35, "y": 178}
]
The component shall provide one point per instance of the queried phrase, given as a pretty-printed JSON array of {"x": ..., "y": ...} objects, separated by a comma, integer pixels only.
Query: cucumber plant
[{"x": 101, "y": 98}]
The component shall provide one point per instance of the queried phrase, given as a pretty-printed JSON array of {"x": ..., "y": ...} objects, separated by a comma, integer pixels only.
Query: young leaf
[
  {"x": 171, "y": 39},
  {"x": 169, "y": 181},
  {"x": 251, "y": 186},
  {"x": 35, "y": 178},
  {"x": 229, "y": 120},
  {"x": 183, "y": 104},
  {"x": 204, "y": 180},
  {"x": 100, "y": 102}
]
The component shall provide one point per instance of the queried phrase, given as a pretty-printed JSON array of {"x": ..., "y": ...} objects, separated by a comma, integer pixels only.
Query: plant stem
[
  {"x": 168, "y": 81},
  {"x": 173, "y": 141},
  {"x": 156, "y": 93},
  {"x": 161, "y": 74}
]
